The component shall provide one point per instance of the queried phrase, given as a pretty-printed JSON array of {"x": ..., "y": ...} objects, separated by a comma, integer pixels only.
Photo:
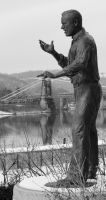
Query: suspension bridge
[{"x": 45, "y": 90}]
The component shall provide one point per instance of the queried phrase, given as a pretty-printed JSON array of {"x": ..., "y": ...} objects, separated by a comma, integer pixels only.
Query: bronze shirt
[{"x": 81, "y": 65}]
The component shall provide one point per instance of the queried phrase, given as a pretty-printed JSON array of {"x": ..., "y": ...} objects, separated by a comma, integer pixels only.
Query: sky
[{"x": 24, "y": 22}]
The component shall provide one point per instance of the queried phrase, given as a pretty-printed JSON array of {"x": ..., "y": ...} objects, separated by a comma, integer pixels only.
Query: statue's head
[{"x": 71, "y": 22}]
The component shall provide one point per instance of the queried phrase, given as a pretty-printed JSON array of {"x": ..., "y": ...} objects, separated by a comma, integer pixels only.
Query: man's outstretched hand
[
  {"x": 49, "y": 48},
  {"x": 46, "y": 74}
]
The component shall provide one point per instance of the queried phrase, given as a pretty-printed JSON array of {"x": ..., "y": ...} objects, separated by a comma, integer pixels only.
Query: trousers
[{"x": 84, "y": 132}]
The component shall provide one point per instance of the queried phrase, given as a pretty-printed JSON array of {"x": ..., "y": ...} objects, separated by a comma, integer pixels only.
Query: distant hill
[
  {"x": 26, "y": 75},
  {"x": 10, "y": 82}
]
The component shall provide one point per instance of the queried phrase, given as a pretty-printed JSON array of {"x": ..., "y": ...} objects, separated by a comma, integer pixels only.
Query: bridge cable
[
  {"x": 9, "y": 97},
  {"x": 17, "y": 90}
]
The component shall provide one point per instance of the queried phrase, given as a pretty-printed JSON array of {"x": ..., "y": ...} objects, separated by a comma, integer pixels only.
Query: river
[{"x": 42, "y": 129}]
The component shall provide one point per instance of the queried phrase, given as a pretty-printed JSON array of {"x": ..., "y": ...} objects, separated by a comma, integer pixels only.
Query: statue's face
[{"x": 68, "y": 25}]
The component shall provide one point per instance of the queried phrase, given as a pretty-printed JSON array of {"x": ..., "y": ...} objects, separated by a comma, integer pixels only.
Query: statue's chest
[{"x": 72, "y": 53}]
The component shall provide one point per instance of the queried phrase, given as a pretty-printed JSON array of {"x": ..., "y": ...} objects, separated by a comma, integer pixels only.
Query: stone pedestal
[{"x": 34, "y": 189}]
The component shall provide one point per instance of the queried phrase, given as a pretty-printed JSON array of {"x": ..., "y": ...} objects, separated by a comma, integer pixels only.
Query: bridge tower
[
  {"x": 43, "y": 101},
  {"x": 46, "y": 102}
]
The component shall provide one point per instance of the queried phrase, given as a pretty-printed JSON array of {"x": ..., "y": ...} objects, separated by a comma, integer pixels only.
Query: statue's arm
[{"x": 61, "y": 59}]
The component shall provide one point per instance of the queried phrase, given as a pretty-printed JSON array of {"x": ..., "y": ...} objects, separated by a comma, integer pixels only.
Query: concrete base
[{"x": 34, "y": 189}]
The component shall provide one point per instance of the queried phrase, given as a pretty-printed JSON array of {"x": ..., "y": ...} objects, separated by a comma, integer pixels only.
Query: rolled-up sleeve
[
  {"x": 81, "y": 58},
  {"x": 63, "y": 61}
]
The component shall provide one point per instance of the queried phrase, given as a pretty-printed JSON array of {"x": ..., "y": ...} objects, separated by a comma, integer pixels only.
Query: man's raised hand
[{"x": 49, "y": 48}]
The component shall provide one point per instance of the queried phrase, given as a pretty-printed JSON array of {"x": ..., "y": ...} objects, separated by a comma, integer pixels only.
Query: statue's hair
[{"x": 75, "y": 15}]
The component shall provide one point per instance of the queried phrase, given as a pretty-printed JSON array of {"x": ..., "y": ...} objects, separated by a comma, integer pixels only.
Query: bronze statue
[{"x": 81, "y": 67}]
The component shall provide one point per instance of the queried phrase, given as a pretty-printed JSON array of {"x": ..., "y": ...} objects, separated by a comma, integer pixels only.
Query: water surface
[{"x": 42, "y": 129}]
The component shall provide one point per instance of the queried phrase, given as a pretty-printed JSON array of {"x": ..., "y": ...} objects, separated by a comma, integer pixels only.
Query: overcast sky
[{"x": 24, "y": 22}]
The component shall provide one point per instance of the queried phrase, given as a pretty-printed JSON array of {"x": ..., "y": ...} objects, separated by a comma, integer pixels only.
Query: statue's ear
[{"x": 76, "y": 22}]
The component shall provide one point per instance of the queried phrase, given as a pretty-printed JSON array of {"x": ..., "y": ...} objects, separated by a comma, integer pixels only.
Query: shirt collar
[{"x": 78, "y": 34}]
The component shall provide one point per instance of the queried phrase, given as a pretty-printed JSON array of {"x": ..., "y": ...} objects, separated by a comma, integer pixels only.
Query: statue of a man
[{"x": 81, "y": 67}]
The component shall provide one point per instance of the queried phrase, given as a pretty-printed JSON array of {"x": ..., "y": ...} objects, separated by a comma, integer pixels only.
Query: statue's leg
[
  {"x": 93, "y": 154},
  {"x": 81, "y": 132},
  {"x": 85, "y": 110}
]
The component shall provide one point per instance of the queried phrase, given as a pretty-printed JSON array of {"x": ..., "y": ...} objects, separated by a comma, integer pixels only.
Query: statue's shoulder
[{"x": 88, "y": 38}]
